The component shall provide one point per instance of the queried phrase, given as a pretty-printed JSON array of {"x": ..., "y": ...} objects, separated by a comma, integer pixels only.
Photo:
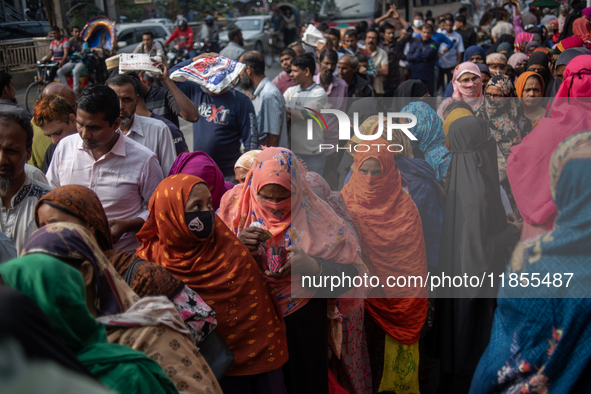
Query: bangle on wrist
[{"x": 321, "y": 268}]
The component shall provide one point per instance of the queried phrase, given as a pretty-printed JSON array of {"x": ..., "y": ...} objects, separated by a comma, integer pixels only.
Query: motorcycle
[
  {"x": 176, "y": 55},
  {"x": 211, "y": 45}
]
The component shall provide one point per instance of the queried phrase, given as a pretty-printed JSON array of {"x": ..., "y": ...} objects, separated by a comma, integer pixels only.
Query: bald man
[
  {"x": 62, "y": 90},
  {"x": 40, "y": 141}
]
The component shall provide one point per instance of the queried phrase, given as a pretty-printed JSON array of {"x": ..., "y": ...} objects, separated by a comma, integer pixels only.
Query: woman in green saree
[{"x": 59, "y": 290}]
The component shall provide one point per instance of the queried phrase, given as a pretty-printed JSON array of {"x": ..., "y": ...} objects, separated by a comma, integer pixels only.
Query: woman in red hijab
[
  {"x": 392, "y": 244},
  {"x": 184, "y": 235},
  {"x": 529, "y": 162}
]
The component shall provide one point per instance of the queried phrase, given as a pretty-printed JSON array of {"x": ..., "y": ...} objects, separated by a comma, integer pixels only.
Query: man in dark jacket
[
  {"x": 422, "y": 56},
  {"x": 395, "y": 50},
  {"x": 358, "y": 86}
]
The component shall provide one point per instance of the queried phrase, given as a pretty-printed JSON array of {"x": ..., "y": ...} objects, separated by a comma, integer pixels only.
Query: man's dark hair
[
  {"x": 362, "y": 58},
  {"x": 449, "y": 18},
  {"x": 76, "y": 27},
  {"x": 22, "y": 119},
  {"x": 99, "y": 99},
  {"x": 254, "y": 60},
  {"x": 461, "y": 19},
  {"x": 419, "y": 13},
  {"x": 122, "y": 80},
  {"x": 331, "y": 54},
  {"x": 385, "y": 26},
  {"x": 288, "y": 52},
  {"x": 429, "y": 14},
  {"x": 351, "y": 33},
  {"x": 372, "y": 31},
  {"x": 148, "y": 33},
  {"x": 361, "y": 28},
  {"x": 430, "y": 20},
  {"x": 4, "y": 80},
  {"x": 463, "y": 9},
  {"x": 333, "y": 32},
  {"x": 429, "y": 27},
  {"x": 305, "y": 61},
  {"x": 323, "y": 27},
  {"x": 54, "y": 28},
  {"x": 232, "y": 34}
]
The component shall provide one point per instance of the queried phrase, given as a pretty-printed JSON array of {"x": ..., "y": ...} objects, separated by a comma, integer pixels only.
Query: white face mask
[{"x": 418, "y": 23}]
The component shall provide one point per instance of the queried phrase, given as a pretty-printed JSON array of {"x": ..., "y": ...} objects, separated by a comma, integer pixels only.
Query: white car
[
  {"x": 255, "y": 33},
  {"x": 129, "y": 35},
  {"x": 165, "y": 21}
]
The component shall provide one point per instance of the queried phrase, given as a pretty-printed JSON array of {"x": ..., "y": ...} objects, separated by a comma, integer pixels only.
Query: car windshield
[
  {"x": 246, "y": 24},
  {"x": 344, "y": 9}
]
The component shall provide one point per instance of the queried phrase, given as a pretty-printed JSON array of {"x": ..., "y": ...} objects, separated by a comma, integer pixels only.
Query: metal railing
[
  {"x": 10, "y": 14},
  {"x": 20, "y": 55}
]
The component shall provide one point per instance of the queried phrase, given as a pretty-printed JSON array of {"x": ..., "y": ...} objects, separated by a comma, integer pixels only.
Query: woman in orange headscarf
[
  {"x": 530, "y": 90},
  {"x": 392, "y": 244},
  {"x": 276, "y": 197},
  {"x": 184, "y": 235}
]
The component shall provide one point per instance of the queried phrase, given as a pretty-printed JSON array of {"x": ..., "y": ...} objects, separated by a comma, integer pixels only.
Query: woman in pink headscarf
[
  {"x": 521, "y": 41},
  {"x": 528, "y": 164},
  {"x": 556, "y": 35},
  {"x": 202, "y": 166},
  {"x": 582, "y": 29},
  {"x": 467, "y": 83}
]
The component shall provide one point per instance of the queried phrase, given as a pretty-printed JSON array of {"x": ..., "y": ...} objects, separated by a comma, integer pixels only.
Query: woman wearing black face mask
[
  {"x": 184, "y": 235},
  {"x": 538, "y": 63}
]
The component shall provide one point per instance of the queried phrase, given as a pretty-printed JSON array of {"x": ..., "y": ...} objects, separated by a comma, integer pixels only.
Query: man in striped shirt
[
  {"x": 268, "y": 101},
  {"x": 59, "y": 49}
]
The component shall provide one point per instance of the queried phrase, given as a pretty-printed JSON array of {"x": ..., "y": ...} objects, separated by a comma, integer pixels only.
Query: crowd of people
[{"x": 133, "y": 264}]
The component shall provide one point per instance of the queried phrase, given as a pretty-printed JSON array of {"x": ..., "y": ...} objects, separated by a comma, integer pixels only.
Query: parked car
[
  {"x": 129, "y": 35},
  {"x": 19, "y": 30},
  {"x": 255, "y": 32},
  {"x": 165, "y": 21}
]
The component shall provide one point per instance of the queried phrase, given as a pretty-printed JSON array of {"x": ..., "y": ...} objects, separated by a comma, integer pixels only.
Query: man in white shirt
[
  {"x": 150, "y": 47},
  {"x": 306, "y": 94},
  {"x": 151, "y": 133},
  {"x": 380, "y": 61},
  {"x": 18, "y": 193},
  {"x": 453, "y": 56},
  {"x": 122, "y": 172}
]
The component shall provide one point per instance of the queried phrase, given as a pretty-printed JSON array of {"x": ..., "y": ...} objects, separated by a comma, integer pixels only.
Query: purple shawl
[
  {"x": 201, "y": 165},
  {"x": 518, "y": 26}
]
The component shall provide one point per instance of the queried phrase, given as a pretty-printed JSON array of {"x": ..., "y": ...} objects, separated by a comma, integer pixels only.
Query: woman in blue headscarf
[
  {"x": 541, "y": 334},
  {"x": 431, "y": 138},
  {"x": 475, "y": 54}
]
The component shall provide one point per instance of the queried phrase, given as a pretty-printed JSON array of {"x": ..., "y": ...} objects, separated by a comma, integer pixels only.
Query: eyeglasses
[{"x": 474, "y": 79}]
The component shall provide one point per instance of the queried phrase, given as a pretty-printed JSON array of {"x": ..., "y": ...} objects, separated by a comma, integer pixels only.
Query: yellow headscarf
[{"x": 452, "y": 117}]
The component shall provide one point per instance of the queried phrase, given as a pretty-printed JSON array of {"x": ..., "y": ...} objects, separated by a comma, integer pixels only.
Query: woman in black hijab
[
  {"x": 504, "y": 38},
  {"x": 412, "y": 88},
  {"x": 538, "y": 63},
  {"x": 475, "y": 240}
]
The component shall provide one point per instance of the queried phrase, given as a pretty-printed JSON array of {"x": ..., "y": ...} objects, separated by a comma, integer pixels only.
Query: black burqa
[
  {"x": 568, "y": 24},
  {"x": 475, "y": 239},
  {"x": 541, "y": 58},
  {"x": 22, "y": 320}
]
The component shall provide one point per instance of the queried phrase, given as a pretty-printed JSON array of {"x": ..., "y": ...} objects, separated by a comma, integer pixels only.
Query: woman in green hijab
[{"x": 59, "y": 291}]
